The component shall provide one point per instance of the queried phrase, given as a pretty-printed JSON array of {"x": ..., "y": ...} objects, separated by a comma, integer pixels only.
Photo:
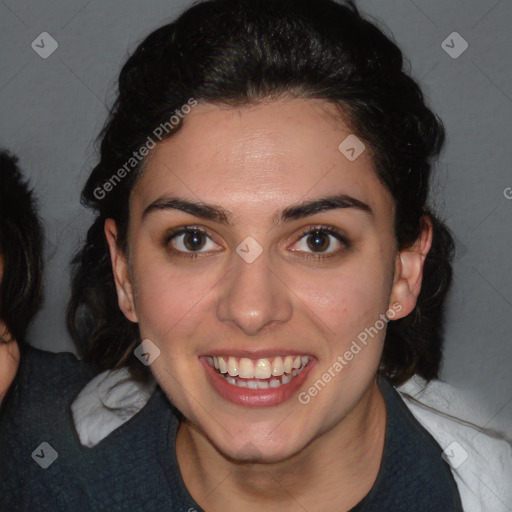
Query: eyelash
[
  {"x": 326, "y": 230},
  {"x": 183, "y": 231}
]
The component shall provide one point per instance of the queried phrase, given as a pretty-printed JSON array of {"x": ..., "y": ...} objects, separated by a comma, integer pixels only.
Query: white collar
[{"x": 106, "y": 402}]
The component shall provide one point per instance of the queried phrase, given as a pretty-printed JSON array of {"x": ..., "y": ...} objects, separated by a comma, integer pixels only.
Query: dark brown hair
[
  {"x": 21, "y": 246},
  {"x": 238, "y": 52}
]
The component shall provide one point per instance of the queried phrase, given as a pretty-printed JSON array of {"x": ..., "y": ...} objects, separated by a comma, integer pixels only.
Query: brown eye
[
  {"x": 318, "y": 241},
  {"x": 321, "y": 242},
  {"x": 190, "y": 240},
  {"x": 194, "y": 240}
]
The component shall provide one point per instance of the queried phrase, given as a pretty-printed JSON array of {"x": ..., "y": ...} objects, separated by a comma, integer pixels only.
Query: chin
[{"x": 254, "y": 443}]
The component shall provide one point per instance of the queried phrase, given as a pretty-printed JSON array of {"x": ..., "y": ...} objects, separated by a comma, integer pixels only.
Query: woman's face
[
  {"x": 9, "y": 352},
  {"x": 256, "y": 244}
]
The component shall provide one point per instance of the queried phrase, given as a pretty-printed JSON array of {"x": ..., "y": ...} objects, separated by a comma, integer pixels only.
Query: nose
[{"x": 253, "y": 297}]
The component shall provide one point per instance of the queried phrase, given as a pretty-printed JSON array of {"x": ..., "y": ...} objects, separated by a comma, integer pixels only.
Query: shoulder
[
  {"x": 35, "y": 420},
  {"x": 480, "y": 460},
  {"x": 45, "y": 376},
  {"x": 410, "y": 464},
  {"x": 45, "y": 384},
  {"x": 41, "y": 452},
  {"x": 49, "y": 360}
]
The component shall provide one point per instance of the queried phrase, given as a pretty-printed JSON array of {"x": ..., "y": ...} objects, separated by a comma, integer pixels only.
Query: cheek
[
  {"x": 347, "y": 298},
  {"x": 169, "y": 301}
]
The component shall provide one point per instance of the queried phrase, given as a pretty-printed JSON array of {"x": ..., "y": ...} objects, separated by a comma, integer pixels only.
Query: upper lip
[{"x": 256, "y": 354}]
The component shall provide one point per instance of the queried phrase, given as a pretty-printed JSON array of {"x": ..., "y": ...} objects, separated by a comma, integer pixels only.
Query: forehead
[{"x": 260, "y": 157}]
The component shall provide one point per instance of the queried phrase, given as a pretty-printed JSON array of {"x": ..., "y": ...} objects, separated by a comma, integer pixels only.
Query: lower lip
[{"x": 255, "y": 397}]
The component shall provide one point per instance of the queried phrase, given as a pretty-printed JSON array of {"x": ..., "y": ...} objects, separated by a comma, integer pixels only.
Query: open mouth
[{"x": 263, "y": 373}]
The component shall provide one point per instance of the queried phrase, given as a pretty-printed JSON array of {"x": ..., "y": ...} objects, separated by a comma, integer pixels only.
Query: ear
[
  {"x": 5, "y": 336},
  {"x": 121, "y": 272},
  {"x": 409, "y": 272}
]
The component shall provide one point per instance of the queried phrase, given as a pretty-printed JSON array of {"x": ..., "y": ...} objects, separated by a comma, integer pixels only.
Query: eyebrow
[
  {"x": 293, "y": 212},
  {"x": 198, "y": 209},
  {"x": 324, "y": 204}
]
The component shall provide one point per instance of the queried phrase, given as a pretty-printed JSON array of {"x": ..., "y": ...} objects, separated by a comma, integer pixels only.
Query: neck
[{"x": 341, "y": 466}]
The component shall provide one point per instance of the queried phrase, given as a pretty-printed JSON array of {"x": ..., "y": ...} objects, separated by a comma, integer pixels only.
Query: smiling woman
[{"x": 276, "y": 244}]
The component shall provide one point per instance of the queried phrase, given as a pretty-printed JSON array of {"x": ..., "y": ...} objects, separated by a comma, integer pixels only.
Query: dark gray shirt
[{"x": 135, "y": 467}]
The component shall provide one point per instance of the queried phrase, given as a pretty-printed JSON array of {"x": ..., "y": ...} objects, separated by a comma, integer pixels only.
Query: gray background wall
[{"x": 52, "y": 109}]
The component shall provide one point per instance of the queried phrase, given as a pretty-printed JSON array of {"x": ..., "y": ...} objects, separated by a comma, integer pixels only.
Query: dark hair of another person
[
  {"x": 241, "y": 52},
  {"x": 21, "y": 246}
]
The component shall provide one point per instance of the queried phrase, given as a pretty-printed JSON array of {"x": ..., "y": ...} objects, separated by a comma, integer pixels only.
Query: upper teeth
[{"x": 259, "y": 368}]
